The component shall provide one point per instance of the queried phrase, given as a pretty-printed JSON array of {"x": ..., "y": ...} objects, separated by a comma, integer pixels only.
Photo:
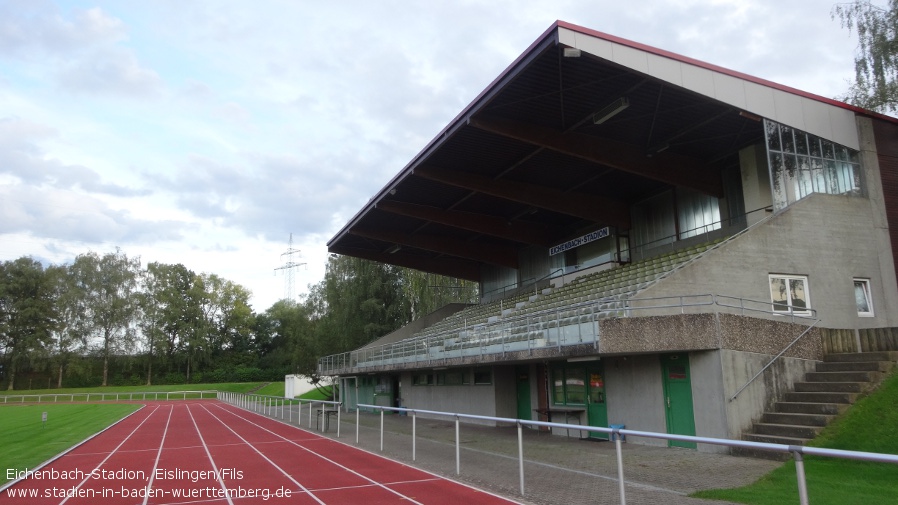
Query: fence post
[
  {"x": 338, "y": 420},
  {"x": 799, "y": 472},
  {"x": 521, "y": 454},
  {"x": 381, "y": 430},
  {"x": 357, "y": 410},
  {"x": 414, "y": 429},
  {"x": 457, "y": 448},
  {"x": 615, "y": 434}
]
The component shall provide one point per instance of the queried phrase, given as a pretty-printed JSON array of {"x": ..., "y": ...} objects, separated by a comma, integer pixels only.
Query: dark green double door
[{"x": 678, "y": 397}]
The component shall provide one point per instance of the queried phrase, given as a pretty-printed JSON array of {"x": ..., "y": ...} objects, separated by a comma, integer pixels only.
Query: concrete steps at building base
[{"x": 839, "y": 380}]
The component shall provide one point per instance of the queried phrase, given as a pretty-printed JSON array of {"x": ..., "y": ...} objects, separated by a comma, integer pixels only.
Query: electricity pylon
[{"x": 288, "y": 269}]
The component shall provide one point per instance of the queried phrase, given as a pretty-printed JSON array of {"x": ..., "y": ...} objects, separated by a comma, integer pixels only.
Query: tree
[
  {"x": 107, "y": 287},
  {"x": 163, "y": 310},
  {"x": 876, "y": 63},
  {"x": 67, "y": 333},
  {"x": 27, "y": 313}
]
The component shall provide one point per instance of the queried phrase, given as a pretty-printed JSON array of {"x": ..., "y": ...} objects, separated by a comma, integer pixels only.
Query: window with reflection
[
  {"x": 789, "y": 294},
  {"x": 802, "y": 163},
  {"x": 862, "y": 297}
]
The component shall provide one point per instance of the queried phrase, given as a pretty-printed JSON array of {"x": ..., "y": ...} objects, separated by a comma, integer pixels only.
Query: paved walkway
[{"x": 557, "y": 469}]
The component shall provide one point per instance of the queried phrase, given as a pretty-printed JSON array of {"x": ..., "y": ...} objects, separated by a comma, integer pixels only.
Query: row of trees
[{"x": 106, "y": 319}]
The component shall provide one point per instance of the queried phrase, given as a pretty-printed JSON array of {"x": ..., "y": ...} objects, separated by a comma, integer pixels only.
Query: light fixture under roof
[
  {"x": 571, "y": 52},
  {"x": 610, "y": 110},
  {"x": 394, "y": 249}
]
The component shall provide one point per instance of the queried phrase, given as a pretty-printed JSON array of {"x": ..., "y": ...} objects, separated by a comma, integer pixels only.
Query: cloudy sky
[{"x": 206, "y": 132}]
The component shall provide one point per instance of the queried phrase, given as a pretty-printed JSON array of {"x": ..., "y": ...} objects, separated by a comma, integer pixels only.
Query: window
[
  {"x": 568, "y": 385},
  {"x": 483, "y": 376},
  {"x": 422, "y": 379},
  {"x": 802, "y": 163},
  {"x": 862, "y": 297},
  {"x": 789, "y": 294}
]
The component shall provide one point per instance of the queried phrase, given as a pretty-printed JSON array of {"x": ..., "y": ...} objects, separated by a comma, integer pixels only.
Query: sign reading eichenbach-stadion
[{"x": 577, "y": 242}]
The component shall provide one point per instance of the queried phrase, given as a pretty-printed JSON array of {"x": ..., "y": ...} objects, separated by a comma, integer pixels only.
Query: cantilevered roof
[{"x": 528, "y": 164}]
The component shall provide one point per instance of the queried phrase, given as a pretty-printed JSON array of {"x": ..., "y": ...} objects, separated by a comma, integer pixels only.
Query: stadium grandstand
[{"x": 659, "y": 242}]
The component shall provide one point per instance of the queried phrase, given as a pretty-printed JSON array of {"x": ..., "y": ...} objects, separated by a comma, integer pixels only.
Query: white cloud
[
  {"x": 205, "y": 132},
  {"x": 110, "y": 72}
]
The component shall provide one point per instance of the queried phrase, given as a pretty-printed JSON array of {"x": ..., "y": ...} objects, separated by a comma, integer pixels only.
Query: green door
[
  {"x": 522, "y": 380},
  {"x": 678, "y": 397},
  {"x": 596, "y": 409}
]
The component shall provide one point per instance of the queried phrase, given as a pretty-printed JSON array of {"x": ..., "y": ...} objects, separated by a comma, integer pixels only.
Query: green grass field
[
  {"x": 870, "y": 426},
  {"x": 26, "y": 442},
  {"x": 273, "y": 389},
  {"x": 237, "y": 387}
]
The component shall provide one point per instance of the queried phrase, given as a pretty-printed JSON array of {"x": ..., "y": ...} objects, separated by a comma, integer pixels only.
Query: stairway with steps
[{"x": 839, "y": 380}]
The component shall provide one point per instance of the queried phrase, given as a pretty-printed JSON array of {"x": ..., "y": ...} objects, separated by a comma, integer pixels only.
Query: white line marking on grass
[
  {"x": 383, "y": 486},
  {"x": 158, "y": 454},
  {"x": 109, "y": 455},
  {"x": 251, "y": 446},
  {"x": 214, "y": 466}
]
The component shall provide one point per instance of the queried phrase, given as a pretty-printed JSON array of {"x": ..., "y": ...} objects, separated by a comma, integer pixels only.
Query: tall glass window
[
  {"x": 801, "y": 164},
  {"x": 698, "y": 213}
]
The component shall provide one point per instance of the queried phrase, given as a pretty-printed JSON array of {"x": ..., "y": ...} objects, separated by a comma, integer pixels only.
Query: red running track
[{"x": 213, "y": 453}]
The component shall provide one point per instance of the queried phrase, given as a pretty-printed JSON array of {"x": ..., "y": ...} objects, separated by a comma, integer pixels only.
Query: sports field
[{"x": 210, "y": 452}]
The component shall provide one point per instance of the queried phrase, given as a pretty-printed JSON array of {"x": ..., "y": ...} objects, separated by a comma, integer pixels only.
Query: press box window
[{"x": 862, "y": 297}]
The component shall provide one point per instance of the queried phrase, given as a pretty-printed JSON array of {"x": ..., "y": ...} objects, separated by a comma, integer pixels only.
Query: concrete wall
[
  {"x": 506, "y": 391},
  {"x": 635, "y": 394},
  {"x": 709, "y": 405},
  {"x": 756, "y": 192},
  {"x": 479, "y": 399},
  {"x": 882, "y": 243},
  {"x": 830, "y": 239},
  {"x": 738, "y": 367}
]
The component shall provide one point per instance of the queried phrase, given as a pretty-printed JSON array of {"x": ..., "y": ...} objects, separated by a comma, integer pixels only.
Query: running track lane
[{"x": 217, "y": 454}]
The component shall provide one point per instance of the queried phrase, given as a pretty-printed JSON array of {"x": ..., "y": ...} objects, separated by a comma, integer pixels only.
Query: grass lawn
[
  {"x": 315, "y": 394},
  {"x": 870, "y": 426},
  {"x": 273, "y": 389},
  {"x": 238, "y": 387},
  {"x": 25, "y": 443}
]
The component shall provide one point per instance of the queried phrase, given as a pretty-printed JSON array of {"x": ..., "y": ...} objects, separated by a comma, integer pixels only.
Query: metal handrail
[
  {"x": 805, "y": 332},
  {"x": 616, "y": 434},
  {"x": 419, "y": 348}
]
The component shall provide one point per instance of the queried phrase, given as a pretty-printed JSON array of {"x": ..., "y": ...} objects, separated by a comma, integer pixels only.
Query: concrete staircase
[{"x": 839, "y": 380}]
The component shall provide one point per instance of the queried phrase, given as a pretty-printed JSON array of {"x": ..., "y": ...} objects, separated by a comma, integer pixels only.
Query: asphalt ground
[{"x": 558, "y": 469}]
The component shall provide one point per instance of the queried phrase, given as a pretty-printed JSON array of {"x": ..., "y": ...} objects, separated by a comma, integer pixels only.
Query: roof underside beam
[
  {"x": 442, "y": 265},
  {"x": 525, "y": 233},
  {"x": 596, "y": 209},
  {"x": 485, "y": 253},
  {"x": 665, "y": 167}
]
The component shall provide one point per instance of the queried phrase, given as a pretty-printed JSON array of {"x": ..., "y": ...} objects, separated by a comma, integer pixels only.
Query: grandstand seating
[{"x": 566, "y": 315}]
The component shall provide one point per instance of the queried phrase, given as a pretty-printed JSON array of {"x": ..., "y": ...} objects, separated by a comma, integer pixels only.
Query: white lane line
[
  {"x": 350, "y": 470},
  {"x": 251, "y": 446},
  {"x": 108, "y": 456},
  {"x": 158, "y": 454},
  {"x": 214, "y": 466}
]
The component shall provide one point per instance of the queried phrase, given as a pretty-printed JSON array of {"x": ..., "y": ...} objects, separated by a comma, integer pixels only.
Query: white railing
[
  {"x": 103, "y": 397},
  {"x": 615, "y": 434},
  {"x": 573, "y": 324},
  {"x": 281, "y": 407}
]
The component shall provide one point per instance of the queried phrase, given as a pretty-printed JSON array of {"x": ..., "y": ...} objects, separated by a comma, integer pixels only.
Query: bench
[{"x": 326, "y": 414}]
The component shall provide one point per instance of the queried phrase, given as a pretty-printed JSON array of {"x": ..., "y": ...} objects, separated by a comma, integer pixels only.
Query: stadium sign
[{"x": 577, "y": 242}]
